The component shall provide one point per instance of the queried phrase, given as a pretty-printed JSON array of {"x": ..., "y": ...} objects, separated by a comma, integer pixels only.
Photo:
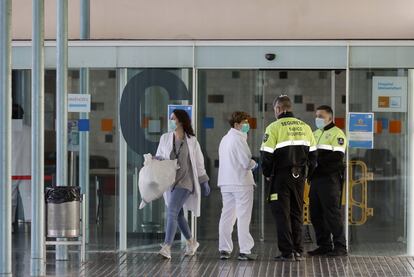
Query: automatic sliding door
[
  {"x": 380, "y": 217},
  {"x": 144, "y": 118},
  {"x": 307, "y": 89},
  {"x": 221, "y": 92}
]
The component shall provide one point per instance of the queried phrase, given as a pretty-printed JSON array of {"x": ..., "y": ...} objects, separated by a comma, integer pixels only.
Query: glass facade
[
  {"x": 103, "y": 153},
  {"x": 144, "y": 118},
  {"x": 221, "y": 92},
  {"x": 379, "y": 181},
  {"x": 379, "y": 178}
]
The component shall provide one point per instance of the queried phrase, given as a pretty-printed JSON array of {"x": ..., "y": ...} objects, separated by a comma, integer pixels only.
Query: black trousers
[
  {"x": 325, "y": 211},
  {"x": 287, "y": 211}
]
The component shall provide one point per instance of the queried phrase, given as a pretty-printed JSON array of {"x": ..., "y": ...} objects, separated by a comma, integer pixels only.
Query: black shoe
[
  {"x": 338, "y": 252},
  {"x": 298, "y": 256},
  {"x": 224, "y": 255},
  {"x": 320, "y": 251},
  {"x": 285, "y": 258},
  {"x": 247, "y": 257}
]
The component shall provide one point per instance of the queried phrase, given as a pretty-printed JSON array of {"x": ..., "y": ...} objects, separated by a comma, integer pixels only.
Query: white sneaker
[
  {"x": 191, "y": 247},
  {"x": 165, "y": 251}
]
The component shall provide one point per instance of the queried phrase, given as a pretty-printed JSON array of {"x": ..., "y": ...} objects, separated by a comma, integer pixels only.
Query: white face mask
[
  {"x": 245, "y": 128},
  {"x": 320, "y": 123},
  {"x": 172, "y": 125}
]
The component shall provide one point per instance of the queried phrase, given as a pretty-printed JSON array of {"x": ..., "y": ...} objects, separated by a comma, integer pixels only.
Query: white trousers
[
  {"x": 24, "y": 188},
  {"x": 236, "y": 205}
]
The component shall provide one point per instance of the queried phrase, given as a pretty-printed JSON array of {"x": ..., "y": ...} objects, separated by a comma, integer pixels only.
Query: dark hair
[
  {"x": 325, "y": 108},
  {"x": 283, "y": 101},
  {"x": 238, "y": 117},
  {"x": 185, "y": 120},
  {"x": 17, "y": 111}
]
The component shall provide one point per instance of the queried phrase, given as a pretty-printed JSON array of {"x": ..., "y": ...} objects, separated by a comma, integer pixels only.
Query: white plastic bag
[{"x": 155, "y": 177}]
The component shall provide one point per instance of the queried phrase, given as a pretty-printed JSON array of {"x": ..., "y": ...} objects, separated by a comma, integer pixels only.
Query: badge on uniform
[
  {"x": 265, "y": 137},
  {"x": 341, "y": 141}
]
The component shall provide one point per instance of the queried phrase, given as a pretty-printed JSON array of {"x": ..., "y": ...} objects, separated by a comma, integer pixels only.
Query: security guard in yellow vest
[
  {"x": 326, "y": 186},
  {"x": 288, "y": 152}
]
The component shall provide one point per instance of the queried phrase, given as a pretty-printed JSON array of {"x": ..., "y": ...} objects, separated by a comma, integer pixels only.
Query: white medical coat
[
  {"x": 235, "y": 162},
  {"x": 21, "y": 166},
  {"x": 21, "y": 149},
  {"x": 165, "y": 147}
]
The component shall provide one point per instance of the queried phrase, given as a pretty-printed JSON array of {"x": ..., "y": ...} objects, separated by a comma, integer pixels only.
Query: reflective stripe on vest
[
  {"x": 330, "y": 147},
  {"x": 285, "y": 132},
  {"x": 292, "y": 143},
  {"x": 289, "y": 143},
  {"x": 267, "y": 149}
]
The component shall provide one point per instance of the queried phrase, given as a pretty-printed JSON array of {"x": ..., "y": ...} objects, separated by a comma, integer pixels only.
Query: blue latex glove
[
  {"x": 205, "y": 189},
  {"x": 157, "y": 158},
  {"x": 256, "y": 166}
]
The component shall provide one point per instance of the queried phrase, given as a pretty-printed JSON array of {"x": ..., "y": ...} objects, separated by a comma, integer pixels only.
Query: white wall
[{"x": 230, "y": 19}]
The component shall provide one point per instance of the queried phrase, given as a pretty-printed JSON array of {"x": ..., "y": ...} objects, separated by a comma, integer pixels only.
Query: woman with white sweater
[
  {"x": 191, "y": 180},
  {"x": 235, "y": 179}
]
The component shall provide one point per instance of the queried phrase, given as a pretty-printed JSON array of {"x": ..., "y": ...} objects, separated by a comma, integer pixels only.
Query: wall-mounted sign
[
  {"x": 73, "y": 136},
  {"x": 79, "y": 103},
  {"x": 361, "y": 130},
  {"x": 389, "y": 94}
]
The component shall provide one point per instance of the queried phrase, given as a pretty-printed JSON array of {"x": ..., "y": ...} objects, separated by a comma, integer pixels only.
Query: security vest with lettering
[
  {"x": 331, "y": 146},
  {"x": 286, "y": 143}
]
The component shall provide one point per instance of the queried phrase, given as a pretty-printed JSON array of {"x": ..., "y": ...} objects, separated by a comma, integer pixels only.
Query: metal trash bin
[{"x": 63, "y": 211}]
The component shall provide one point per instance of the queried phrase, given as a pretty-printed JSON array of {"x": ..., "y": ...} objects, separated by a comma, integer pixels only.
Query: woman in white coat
[
  {"x": 235, "y": 179},
  {"x": 191, "y": 179}
]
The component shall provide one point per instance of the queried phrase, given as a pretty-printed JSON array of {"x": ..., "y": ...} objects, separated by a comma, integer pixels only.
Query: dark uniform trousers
[
  {"x": 325, "y": 211},
  {"x": 288, "y": 211}
]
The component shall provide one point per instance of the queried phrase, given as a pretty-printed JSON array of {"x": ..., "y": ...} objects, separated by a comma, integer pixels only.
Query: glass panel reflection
[{"x": 378, "y": 224}]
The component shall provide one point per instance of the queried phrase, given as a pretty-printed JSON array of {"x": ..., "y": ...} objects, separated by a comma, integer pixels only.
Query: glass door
[
  {"x": 380, "y": 226},
  {"x": 220, "y": 92},
  {"x": 103, "y": 168},
  {"x": 307, "y": 89},
  {"x": 144, "y": 118}
]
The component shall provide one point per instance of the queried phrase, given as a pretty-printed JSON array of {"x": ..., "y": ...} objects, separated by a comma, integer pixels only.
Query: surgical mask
[
  {"x": 172, "y": 125},
  {"x": 320, "y": 123},
  {"x": 245, "y": 128}
]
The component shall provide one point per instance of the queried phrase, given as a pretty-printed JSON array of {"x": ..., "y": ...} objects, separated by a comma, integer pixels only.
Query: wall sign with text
[
  {"x": 389, "y": 94},
  {"x": 361, "y": 130}
]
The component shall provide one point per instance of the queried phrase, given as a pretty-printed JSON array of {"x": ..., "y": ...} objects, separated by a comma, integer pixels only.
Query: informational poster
[
  {"x": 389, "y": 94},
  {"x": 187, "y": 108},
  {"x": 361, "y": 130},
  {"x": 79, "y": 103},
  {"x": 73, "y": 136}
]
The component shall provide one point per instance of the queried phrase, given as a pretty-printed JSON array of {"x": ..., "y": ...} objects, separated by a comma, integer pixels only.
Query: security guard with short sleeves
[
  {"x": 326, "y": 186},
  {"x": 288, "y": 153}
]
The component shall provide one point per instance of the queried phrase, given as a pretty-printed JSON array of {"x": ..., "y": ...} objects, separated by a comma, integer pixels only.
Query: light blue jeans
[{"x": 175, "y": 215}]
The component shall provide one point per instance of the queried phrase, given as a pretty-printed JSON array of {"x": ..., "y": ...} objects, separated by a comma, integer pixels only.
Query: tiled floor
[
  {"x": 146, "y": 262},
  {"x": 375, "y": 257}
]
